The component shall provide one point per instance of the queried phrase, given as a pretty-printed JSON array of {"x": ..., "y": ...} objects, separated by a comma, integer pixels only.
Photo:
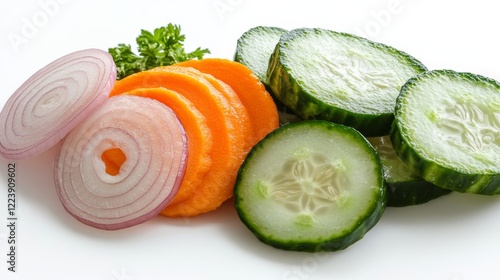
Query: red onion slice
[
  {"x": 155, "y": 146},
  {"x": 53, "y": 101}
]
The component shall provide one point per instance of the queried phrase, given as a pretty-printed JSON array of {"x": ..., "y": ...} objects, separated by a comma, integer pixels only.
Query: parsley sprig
[{"x": 165, "y": 46}]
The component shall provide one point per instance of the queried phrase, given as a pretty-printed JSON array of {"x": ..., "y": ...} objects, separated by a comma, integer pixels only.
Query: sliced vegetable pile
[
  {"x": 228, "y": 126},
  {"x": 361, "y": 126},
  {"x": 161, "y": 135},
  {"x": 434, "y": 132}
]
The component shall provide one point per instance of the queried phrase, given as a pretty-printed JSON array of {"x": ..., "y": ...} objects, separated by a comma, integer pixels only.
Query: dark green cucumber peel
[
  {"x": 333, "y": 239},
  {"x": 311, "y": 104},
  {"x": 404, "y": 186},
  {"x": 442, "y": 171},
  {"x": 441, "y": 176},
  {"x": 419, "y": 191}
]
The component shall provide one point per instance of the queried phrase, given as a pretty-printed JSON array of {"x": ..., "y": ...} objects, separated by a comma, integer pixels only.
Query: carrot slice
[
  {"x": 198, "y": 134},
  {"x": 239, "y": 110},
  {"x": 252, "y": 93},
  {"x": 228, "y": 149}
]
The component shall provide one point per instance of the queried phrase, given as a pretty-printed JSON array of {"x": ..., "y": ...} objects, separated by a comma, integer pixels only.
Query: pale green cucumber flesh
[
  {"x": 311, "y": 186},
  {"x": 254, "y": 49},
  {"x": 255, "y": 46},
  {"x": 323, "y": 74},
  {"x": 404, "y": 186},
  {"x": 447, "y": 126}
]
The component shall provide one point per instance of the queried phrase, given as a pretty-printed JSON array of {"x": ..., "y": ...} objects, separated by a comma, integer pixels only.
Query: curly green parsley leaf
[{"x": 165, "y": 46}]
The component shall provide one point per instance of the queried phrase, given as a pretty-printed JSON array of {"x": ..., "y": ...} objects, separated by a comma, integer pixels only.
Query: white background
[{"x": 452, "y": 238}]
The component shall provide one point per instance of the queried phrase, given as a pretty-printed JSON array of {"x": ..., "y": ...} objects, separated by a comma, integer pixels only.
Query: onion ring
[
  {"x": 155, "y": 146},
  {"x": 53, "y": 101}
]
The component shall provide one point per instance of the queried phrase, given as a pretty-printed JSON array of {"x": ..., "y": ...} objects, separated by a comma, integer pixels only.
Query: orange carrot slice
[
  {"x": 252, "y": 93},
  {"x": 198, "y": 134},
  {"x": 239, "y": 110},
  {"x": 228, "y": 150}
]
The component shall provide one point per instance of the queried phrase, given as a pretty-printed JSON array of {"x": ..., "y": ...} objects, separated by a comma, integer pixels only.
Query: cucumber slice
[
  {"x": 323, "y": 74},
  {"x": 253, "y": 49},
  {"x": 311, "y": 186},
  {"x": 404, "y": 186},
  {"x": 255, "y": 46},
  {"x": 447, "y": 126}
]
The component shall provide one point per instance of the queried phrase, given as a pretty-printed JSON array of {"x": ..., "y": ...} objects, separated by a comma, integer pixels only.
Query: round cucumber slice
[
  {"x": 311, "y": 186},
  {"x": 255, "y": 46},
  {"x": 328, "y": 75},
  {"x": 404, "y": 186},
  {"x": 447, "y": 126},
  {"x": 253, "y": 49}
]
